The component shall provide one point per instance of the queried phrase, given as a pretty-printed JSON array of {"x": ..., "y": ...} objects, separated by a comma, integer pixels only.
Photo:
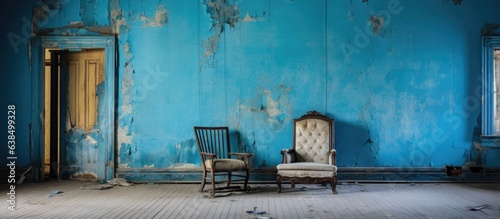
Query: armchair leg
[
  {"x": 334, "y": 185},
  {"x": 204, "y": 179},
  {"x": 247, "y": 177}
]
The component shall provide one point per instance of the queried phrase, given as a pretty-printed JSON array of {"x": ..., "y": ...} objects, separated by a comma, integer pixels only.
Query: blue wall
[{"x": 400, "y": 77}]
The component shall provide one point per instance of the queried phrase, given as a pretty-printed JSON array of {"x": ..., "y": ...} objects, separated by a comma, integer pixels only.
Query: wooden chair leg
[
  {"x": 278, "y": 181},
  {"x": 212, "y": 177},
  {"x": 228, "y": 183},
  {"x": 292, "y": 183},
  {"x": 247, "y": 177},
  {"x": 203, "y": 181}
]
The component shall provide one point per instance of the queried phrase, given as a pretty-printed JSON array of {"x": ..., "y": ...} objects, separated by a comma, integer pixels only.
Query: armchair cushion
[
  {"x": 306, "y": 174},
  {"x": 309, "y": 166}
]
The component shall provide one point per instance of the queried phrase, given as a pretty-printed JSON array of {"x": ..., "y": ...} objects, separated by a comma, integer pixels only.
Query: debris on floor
[
  {"x": 104, "y": 187},
  {"x": 23, "y": 176},
  {"x": 119, "y": 182},
  {"x": 110, "y": 184},
  {"x": 254, "y": 211},
  {"x": 54, "y": 192},
  {"x": 479, "y": 207}
]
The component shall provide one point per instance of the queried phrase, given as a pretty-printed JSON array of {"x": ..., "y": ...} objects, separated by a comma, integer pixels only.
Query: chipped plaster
[
  {"x": 124, "y": 137},
  {"x": 221, "y": 13},
  {"x": 90, "y": 140},
  {"x": 127, "y": 81},
  {"x": 160, "y": 18},
  {"x": 377, "y": 24},
  {"x": 249, "y": 18}
]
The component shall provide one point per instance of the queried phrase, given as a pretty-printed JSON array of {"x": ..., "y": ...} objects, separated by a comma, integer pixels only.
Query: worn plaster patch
[
  {"x": 222, "y": 13},
  {"x": 90, "y": 140},
  {"x": 117, "y": 17},
  {"x": 377, "y": 24},
  {"x": 124, "y": 137},
  {"x": 271, "y": 106},
  {"x": 160, "y": 19},
  {"x": 273, "y": 111},
  {"x": 127, "y": 81},
  {"x": 249, "y": 18}
]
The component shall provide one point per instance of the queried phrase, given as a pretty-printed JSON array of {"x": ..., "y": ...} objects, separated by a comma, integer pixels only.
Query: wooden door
[{"x": 83, "y": 135}]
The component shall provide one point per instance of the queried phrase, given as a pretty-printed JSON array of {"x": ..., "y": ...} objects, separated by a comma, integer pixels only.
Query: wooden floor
[{"x": 79, "y": 199}]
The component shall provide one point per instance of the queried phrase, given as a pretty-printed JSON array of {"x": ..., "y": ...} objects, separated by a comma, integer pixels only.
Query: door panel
[{"x": 85, "y": 73}]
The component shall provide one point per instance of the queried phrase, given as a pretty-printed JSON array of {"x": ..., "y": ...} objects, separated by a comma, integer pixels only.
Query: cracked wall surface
[{"x": 401, "y": 87}]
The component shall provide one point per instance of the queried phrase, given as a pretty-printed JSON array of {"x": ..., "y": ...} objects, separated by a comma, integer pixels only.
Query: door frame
[{"x": 106, "y": 169}]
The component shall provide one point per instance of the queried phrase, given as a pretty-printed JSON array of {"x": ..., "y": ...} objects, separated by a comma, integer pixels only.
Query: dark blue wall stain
[{"x": 402, "y": 86}]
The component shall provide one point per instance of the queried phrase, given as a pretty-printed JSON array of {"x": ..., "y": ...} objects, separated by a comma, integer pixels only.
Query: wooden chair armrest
[
  {"x": 209, "y": 155},
  {"x": 242, "y": 156},
  {"x": 333, "y": 157},
  {"x": 287, "y": 155}
]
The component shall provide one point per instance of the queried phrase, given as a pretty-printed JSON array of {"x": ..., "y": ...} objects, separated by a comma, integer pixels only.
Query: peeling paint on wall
[
  {"x": 124, "y": 136},
  {"x": 117, "y": 17},
  {"x": 222, "y": 13},
  {"x": 44, "y": 10},
  {"x": 160, "y": 19},
  {"x": 127, "y": 81},
  {"x": 186, "y": 154},
  {"x": 276, "y": 110},
  {"x": 490, "y": 29},
  {"x": 377, "y": 24},
  {"x": 249, "y": 18},
  {"x": 90, "y": 140}
]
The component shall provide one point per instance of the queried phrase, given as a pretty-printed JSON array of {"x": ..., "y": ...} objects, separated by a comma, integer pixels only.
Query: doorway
[
  {"x": 71, "y": 104},
  {"x": 73, "y": 118}
]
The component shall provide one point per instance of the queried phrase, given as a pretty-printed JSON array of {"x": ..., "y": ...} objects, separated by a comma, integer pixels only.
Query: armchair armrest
[
  {"x": 333, "y": 157},
  {"x": 287, "y": 156}
]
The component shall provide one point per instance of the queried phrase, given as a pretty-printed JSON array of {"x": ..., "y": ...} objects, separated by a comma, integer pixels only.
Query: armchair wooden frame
[{"x": 300, "y": 167}]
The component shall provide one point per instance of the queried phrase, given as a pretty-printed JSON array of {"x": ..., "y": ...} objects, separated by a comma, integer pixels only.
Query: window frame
[{"x": 490, "y": 43}]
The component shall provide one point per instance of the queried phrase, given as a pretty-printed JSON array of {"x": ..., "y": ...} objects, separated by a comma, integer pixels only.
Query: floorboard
[{"x": 83, "y": 199}]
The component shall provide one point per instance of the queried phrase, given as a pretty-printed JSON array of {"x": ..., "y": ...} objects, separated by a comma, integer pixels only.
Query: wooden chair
[
  {"x": 312, "y": 156},
  {"x": 215, "y": 151}
]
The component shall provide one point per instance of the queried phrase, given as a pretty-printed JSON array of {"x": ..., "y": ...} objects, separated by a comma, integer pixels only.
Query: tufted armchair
[{"x": 312, "y": 157}]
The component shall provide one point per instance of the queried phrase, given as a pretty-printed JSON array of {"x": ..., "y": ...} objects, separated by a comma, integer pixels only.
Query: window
[{"x": 491, "y": 91}]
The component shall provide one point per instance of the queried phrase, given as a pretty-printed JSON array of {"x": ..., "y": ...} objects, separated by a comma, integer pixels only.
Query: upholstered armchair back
[{"x": 313, "y": 139}]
